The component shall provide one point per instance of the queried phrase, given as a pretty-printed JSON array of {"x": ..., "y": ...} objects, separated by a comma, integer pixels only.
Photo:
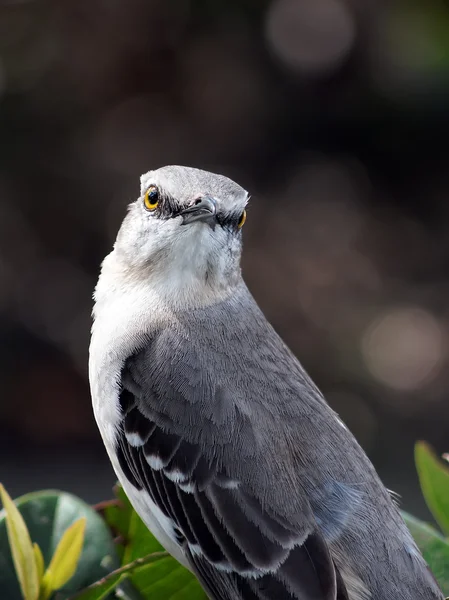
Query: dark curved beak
[{"x": 203, "y": 210}]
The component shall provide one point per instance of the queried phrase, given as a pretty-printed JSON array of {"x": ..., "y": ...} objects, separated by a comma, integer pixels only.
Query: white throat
[{"x": 185, "y": 284}]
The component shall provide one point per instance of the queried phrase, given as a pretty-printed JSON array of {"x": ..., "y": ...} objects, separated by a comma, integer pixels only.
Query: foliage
[
  {"x": 434, "y": 479},
  {"x": 67, "y": 534},
  {"x": 92, "y": 553},
  {"x": 434, "y": 548},
  {"x": 165, "y": 579}
]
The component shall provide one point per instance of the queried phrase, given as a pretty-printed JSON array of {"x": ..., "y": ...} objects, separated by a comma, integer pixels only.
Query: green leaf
[
  {"x": 434, "y": 547},
  {"x": 65, "y": 559},
  {"x": 165, "y": 580},
  {"x": 21, "y": 548},
  {"x": 100, "y": 589},
  {"x": 168, "y": 580},
  {"x": 48, "y": 514},
  {"x": 434, "y": 479}
]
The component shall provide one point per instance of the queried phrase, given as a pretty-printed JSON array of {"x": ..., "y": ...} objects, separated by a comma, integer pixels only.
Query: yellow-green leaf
[
  {"x": 46, "y": 589},
  {"x": 39, "y": 559},
  {"x": 21, "y": 548},
  {"x": 65, "y": 559},
  {"x": 434, "y": 479},
  {"x": 46, "y": 586}
]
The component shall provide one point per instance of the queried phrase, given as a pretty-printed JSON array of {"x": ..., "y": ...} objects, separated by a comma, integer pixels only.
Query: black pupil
[{"x": 152, "y": 196}]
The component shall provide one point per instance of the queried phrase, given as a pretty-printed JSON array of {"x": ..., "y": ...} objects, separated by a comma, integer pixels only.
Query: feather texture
[{"x": 233, "y": 543}]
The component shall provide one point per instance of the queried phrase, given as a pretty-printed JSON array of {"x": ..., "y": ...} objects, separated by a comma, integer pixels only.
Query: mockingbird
[{"x": 223, "y": 444}]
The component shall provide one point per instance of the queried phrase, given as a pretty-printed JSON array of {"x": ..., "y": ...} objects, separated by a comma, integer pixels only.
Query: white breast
[{"x": 123, "y": 317}]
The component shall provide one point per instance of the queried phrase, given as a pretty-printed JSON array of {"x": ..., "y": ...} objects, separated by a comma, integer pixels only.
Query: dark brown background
[{"x": 332, "y": 113}]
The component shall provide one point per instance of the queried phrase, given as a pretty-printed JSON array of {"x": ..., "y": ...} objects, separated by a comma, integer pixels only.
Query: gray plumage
[{"x": 223, "y": 444}]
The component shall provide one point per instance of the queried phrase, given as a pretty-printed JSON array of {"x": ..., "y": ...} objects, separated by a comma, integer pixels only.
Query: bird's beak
[{"x": 204, "y": 210}]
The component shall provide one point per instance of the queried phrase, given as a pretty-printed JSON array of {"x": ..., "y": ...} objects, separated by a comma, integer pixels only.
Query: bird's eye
[
  {"x": 151, "y": 198},
  {"x": 242, "y": 220}
]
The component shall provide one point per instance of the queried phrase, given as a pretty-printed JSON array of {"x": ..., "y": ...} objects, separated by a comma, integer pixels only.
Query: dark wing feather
[
  {"x": 299, "y": 577},
  {"x": 192, "y": 462}
]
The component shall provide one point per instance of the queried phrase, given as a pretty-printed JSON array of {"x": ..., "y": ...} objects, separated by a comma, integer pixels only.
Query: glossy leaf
[
  {"x": 48, "y": 514},
  {"x": 434, "y": 479},
  {"x": 434, "y": 547},
  {"x": 168, "y": 580},
  {"x": 21, "y": 548}
]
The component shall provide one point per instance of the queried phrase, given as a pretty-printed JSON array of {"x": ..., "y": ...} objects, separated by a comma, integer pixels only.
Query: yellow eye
[
  {"x": 151, "y": 198},
  {"x": 242, "y": 219}
]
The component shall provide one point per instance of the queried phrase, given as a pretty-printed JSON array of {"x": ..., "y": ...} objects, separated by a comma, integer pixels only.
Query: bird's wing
[{"x": 190, "y": 446}]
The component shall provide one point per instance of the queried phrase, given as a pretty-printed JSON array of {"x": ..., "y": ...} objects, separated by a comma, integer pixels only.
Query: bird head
[{"x": 185, "y": 228}]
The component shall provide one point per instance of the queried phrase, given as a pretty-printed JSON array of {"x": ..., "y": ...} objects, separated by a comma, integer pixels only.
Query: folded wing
[{"x": 187, "y": 444}]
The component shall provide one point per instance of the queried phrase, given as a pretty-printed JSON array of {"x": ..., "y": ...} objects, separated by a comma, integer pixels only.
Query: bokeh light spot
[
  {"x": 403, "y": 348},
  {"x": 310, "y": 36}
]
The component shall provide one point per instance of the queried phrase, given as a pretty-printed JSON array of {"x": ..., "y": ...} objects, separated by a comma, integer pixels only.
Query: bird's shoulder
[{"x": 229, "y": 345}]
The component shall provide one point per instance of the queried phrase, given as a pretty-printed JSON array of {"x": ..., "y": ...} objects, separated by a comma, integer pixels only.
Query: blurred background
[{"x": 332, "y": 113}]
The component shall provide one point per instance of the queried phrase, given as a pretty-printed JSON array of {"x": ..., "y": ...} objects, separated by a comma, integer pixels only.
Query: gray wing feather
[{"x": 196, "y": 464}]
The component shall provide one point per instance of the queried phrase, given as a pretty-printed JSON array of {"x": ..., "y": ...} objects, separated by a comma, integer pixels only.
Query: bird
[{"x": 223, "y": 444}]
